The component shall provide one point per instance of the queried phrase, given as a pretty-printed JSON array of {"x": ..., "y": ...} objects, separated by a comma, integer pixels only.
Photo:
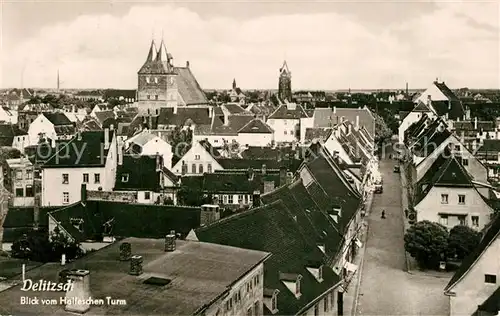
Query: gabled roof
[
  {"x": 421, "y": 107},
  {"x": 446, "y": 91},
  {"x": 272, "y": 228},
  {"x": 328, "y": 117},
  {"x": 270, "y": 153},
  {"x": 256, "y": 126},
  {"x": 291, "y": 164},
  {"x": 128, "y": 220},
  {"x": 217, "y": 126},
  {"x": 104, "y": 115},
  {"x": 138, "y": 173},
  {"x": 142, "y": 138},
  {"x": 85, "y": 152},
  {"x": 233, "y": 108},
  {"x": 469, "y": 125},
  {"x": 189, "y": 88},
  {"x": 7, "y": 133},
  {"x": 185, "y": 115},
  {"x": 156, "y": 62},
  {"x": 90, "y": 124},
  {"x": 489, "y": 237},
  {"x": 285, "y": 113},
  {"x": 432, "y": 143},
  {"x": 57, "y": 118},
  {"x": 490, "y": 146},
  {"x": 321, "y": 134}
]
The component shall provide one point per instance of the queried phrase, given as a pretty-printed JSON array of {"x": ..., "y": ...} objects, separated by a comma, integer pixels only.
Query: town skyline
[{"x": 102, "y": 45}]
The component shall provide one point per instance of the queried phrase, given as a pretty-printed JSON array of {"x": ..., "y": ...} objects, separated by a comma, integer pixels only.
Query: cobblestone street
[{"x": 386, "y": 288}]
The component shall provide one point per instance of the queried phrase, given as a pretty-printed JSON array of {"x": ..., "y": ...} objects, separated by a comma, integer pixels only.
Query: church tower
[
  {"x": 285, "y": 84},
  {"x": 157, "y": 82}
]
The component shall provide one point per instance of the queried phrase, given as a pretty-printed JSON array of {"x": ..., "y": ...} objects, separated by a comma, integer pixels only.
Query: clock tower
[{"x": 285, "y": 84}]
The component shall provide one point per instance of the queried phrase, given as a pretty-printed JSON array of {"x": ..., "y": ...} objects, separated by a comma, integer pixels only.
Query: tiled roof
[
  {"x": 199, "y": 274},
  {"x": 128, "y": 220},
  {"x": 104, "y": 115},
  {"x": 270, "y": 153},
  {"x": 123, "y": 129},
  {"x": 38, "y": 107},
  {"x": 256, "y": 164},
  {"x": 138, "y": 173},
  {"x": 426, "y": 133},
  {"x": 7, "y": 133},
  {"x": 446, "y": 91},
  {"x": 189, "y": 88},
  {"x": 327, "y": 118},
  {"x": 90, "y": 147},
  {"x": 469, "y": 125},
  {"x": 217, "y": 126},
  {"x": 114, "y": 93},
  {"x": 235, "y": 182},
  {"x": 185, "y": 115},
  {"x": 65, "y": 130},
  {"x": 256, "y": 126},
  {"x": 453, "y": 108},
  {"x": 490, "y": 146},
  {"x": 284, "y": 113},
  {"x": 142, "y": 138},
  {"x": 432, "y": 143},
  {"x": 233, "y": 108},
  {"x": 91, "y": 125},
  {"x": 421, "y": 107},
  {"x": 57, "y": 118},
  {"x": 272, "y": 228},
  {"x": 490, "y": 236},
  {"x": 321, "y": 134},
  {"x": 491, "y": 306}
]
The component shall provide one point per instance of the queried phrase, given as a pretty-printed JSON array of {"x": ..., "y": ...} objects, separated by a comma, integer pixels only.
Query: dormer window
[
  {"x": 125, "y": 177},
  {"x": 317, "y": 272},
  {"x": 271, "y": 299},
  {"x": 292, "y": 282},
  {"x": 297, "y": 286},
  {"x": 322, "y": 248}
]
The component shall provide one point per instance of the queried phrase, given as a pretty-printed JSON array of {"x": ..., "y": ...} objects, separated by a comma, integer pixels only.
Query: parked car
[
  {"x": 396, "y": 168},
  {"x": 379, "y": 188}
]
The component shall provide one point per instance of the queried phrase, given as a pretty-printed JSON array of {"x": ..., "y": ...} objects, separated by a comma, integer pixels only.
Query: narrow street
[{"x": 386, "y": 288}]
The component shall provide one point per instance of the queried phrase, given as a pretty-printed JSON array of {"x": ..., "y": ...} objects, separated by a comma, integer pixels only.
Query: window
[
  {"x": 325, "y": 304},
  {"x": 97, "y": 178},
  {"x": 284, "y": 132},
  {"x": 475, "y": 221},
  {"x": 184, "y": 168},
  {"x": 149, "y": 97},
  {"x": 230, "y": 199},
  {"x": 457, "y": 147},
  {"x": 148, "y": 80},
  {"x": 85, "y": 178},
  {"x": 246, "y": 199},
  {"x": 490, "y": 278},
  {"x": 193, "y": 168},
  {"x": 465, "y": 162},
  {"x": 156, "y": 79},
  {"x": 156, "y": 97},
  {"x": 209, "y": 168},
  {"x": 147, "y": 195},
  {"x": 29, "y": 191},
  {"x": 221, "y": 200},
  {"x": 197, "y": 157},
  {"x": 65, "y": 178},
  {"x": 65, "y": 197},
  {"x": 274, "y": 302},
  {"x": 316, "y": 310},
  {"x": 19, "y": 192},
  {"x": 461, "y": 219},
  {"x": 444, "y": 198},
  {"x": 291, "y": 132},
  {"x": 225, "y": 198},
  {"x": 443, "y": 219},
  {"x": 461, "y": 199},
  {"x": 240, "y": 199},
  {"x": 19, "y": 175},
  {"x": 125, "y": 177},
  {"x": 29, "y": 174},
  {"x": 200, "y": 168}
]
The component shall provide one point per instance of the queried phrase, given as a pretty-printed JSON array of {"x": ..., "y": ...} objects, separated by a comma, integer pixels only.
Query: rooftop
[{"x": 198, "y": 272}]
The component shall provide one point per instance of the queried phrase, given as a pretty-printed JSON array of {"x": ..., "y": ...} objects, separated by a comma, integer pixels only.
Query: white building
[
  {"x": 285, "y": 121},
  {"x": 52, "y": 126},
  {"x": 89, "y": 158},
  {"x": 147, "y": 144},
  {"x": 414, "y": 116},
  {"x": 200, "y": 158}
]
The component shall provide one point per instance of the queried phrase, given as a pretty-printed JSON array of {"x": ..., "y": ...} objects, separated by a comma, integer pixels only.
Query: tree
[
  {"x": 193, "y": 197},
  {"x": 426, "y": 242},
  {"x": 382, "y": 131},
  {"x": 43, "y": 247},
  {"x": 462, "y": 240},
  {"x": 181, "y": 140}
]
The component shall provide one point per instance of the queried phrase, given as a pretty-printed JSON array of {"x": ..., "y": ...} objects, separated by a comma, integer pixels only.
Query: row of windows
[
  {"x": 20, "y": 192},
  {"x": 196, "y": 168},
  {"x": 229, "y": 199},
  {"x": 328, "y": 304},
  {"x": 461, "y": 199},
  {"x": 97, "y": 178},
  {"x": 29, "y": 174},
  {"x": 292, "y": 132},
  {"x": 237, "y": 297},
  {"x": 462, "y": 220}
]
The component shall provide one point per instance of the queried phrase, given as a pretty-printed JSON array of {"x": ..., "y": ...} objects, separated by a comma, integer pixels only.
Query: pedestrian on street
[
  {"x": 406, "y": 213},
  {"x": 383, "y": 214}
]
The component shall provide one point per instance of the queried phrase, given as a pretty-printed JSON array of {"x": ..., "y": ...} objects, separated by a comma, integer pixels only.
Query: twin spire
[{"x": 160, "y": 54}]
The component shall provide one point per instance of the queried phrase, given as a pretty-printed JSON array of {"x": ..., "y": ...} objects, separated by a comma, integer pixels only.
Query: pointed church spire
[
  {"x": 284, "y": 68},
  {"x": 57, "y": 79},
  {"x": 234, "y": 83},
  {"x": 152, "y": 51},
  {"x": 162, "y": 53}
]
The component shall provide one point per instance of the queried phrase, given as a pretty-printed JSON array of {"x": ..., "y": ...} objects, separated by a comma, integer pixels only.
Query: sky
[{"x": 327, "y": 44}]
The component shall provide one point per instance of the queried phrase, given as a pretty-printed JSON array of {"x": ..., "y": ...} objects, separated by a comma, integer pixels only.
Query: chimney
[
  {"x": 256, "y": 198},
  {"x": 120, "y": 156},
  {"x": 334, "y": 110},
  {"x": 158, "y": 163},
  {"x": 53, "y": 143},
  {"x": 125, "y": 251},
  {"x": 79, "y": 136},
  {"x": 111, "y": 127},
  {"x": 283, "y": 171},
  {"x": 150, "y": 122},
  {"x": 136, "y": 265},
  {"x": 83, "y": 193},
  {"x": 175, "y": 108},
  {"x": 209, "y": 214},
  {"x": 349, "y": 129},
  {"x": 268, "y": 186},
  {"x": 187, "y": 63},
  {"x": 250, "y": 174},
  {"x": 429, "y": 100},
  {"x": 78, "y": 293},
  {"x": 462, "y": 137},
  {"x": 106, "y": 138},
  {"x": 357, "y": 122},
  {"x": 63, "y": 259},
  {"x": 170, "y": 242},
  {"x": 475, "y": 123},
  {"x": 264, "y": 169}
]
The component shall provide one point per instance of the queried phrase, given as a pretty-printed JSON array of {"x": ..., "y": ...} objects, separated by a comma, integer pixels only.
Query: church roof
[
  {"x": 161, "y": 62},
  {"x": 189, "y": 88}
]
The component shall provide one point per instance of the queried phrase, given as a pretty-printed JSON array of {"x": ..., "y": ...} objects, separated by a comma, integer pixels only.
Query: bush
[
  {"x": 427, "y": 242},
  {"x": 462, "y": 240}
]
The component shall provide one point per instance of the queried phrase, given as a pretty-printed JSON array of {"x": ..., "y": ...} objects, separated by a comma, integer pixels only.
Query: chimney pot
[
  {"x": 79, "y": 291},
  {"x": 63, "y": 259},
  {"x": 264, "y": 169},
  {"x": 170, "y": 242},
  {"x": 187, "y": 63},
  {"x": 125, "y": 251},
  {"x": 136, "y": 265}
]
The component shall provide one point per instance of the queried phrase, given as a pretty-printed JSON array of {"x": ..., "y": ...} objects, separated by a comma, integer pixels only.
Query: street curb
[
  {"x": 403, "y": 195},
  {"x": 354, "y": 308}
]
